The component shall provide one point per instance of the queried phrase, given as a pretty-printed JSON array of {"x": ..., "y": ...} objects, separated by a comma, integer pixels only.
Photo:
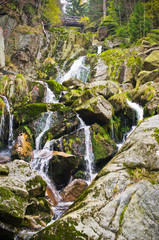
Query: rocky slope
[{"x": 122, "y": 201}]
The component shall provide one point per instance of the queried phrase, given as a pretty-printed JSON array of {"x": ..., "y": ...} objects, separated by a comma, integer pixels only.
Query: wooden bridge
[{"x": 71, "y": 21}]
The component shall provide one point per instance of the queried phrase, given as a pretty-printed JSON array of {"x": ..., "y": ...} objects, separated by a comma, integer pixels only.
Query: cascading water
[
  {"x": 78, "y": 70},
  {"x": 99, "y": 50},
  {"x": 139, "y": 112},
  {"x": 50, "y": 96},
  {"x": 89, "y": 156},
  {"x": 3, "y": 122}
]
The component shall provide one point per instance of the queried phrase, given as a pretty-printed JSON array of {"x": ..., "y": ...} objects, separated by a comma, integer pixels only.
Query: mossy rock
[
  {"x": 36, "y": 91},
  {"x": 55, "y": 87},
  {"x": 4, "y": 170},
  {"x": 29, "y": 112},
  {"x": 147, "y": 76},
  {"x": 152, "y": 61},
  {"x": 104, "y": 147}
]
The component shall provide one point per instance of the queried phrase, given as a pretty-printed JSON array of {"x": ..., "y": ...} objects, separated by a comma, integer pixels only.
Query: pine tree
[
  {"x": 138, "y": 24},
  {"x": 52, "y": 11}
]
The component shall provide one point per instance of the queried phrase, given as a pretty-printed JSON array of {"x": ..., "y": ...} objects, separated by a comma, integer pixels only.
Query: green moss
[
  {"x": 61, "y": 230},
  {"x": 122, "y": 214},
  {"x": 30, "y": 112},
  {"x": 138, "y": 174},
  {"x": 156, "y": 134},
  {"x": 55, "y": 87}
]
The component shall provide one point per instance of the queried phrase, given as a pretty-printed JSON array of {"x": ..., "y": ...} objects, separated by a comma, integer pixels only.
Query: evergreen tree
[
  {"x": 51, "y": 11},
  {"x": 76, "y": 8},
  {"x": 138, "y": 23},
  {"x": 95, "y": 10},
  {"x": 152, "y": 10}
]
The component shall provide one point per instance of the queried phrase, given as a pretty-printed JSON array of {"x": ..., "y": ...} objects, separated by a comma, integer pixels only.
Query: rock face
[
  {"x": 123, "y": 197},
  {"x": 20, "y": 189},
  {"x": 2, "y": 55},
  {"x": 73, "y": 190}
]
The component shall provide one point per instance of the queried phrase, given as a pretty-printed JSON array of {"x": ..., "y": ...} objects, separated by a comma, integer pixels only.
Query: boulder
[
  {"x": 97, "y": 109},
  {"x": 18, "y": 185},
  {"x": 2, "y": 54},
  {"x": 61, "y": 167},
  {"x": 103, "y": 32},
  {"x": 73, "y": 190},
  {"x": 123, "y": 197},
  {"x": 152, "y": 107},
  {"x": 101, "y": 70},
  {"x": 152, "y": 61},
  {"x": 104, "y": 148},
  {"x": 22, "y": 149},
  {"x": 147, "y": 76},
  {"x": 73, "y": 82},
  {"x": 105, "y": 88}
]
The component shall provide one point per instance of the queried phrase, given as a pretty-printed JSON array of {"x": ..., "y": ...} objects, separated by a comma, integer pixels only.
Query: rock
[
  {"x": 105, "y": 88},
  {"x": 147, "y": 76},
  {"x": 73, "y": 190},
  {"x": 145, "y": 93},
  {"x": 73, "y": 143},
  {"x": 21, "y": 198},
  {"x": 61, "y": 167},
  {"x": 145, "y": 42},
  {"x": 73, "y": 82},
  {"x": 152, "y": 61},
  {"x": 2, "y": 54},
  {"x": 101, "y": 71},
  {"x": 35, "y": 185},
  {"x": 103, "y": 32},
  {"x": 56, "y": 87},
  {"x": 152, "y": 107},
  {"x": 64, "y": 123},
  {"x": 4, "y": 170},
  {"x": 97, "y": 109},
  {"x": 22, "y": 149},
  {"x": 123, "y": 197},
  {"x": 104, "y": 148}
]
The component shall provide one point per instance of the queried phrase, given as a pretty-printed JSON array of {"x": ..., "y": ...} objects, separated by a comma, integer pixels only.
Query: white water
[
  {"x": 137, "y": 108},
  {"x": 50, "y": 96},
  {"x": 78, "y": 70},
  {"x": 2, "y": 127},
  {"x": 99, "y": 50},
  {"x": 46, "y": 128},
  {"x": 139, "y": 112},
  {"x": 89, "y": 156}
]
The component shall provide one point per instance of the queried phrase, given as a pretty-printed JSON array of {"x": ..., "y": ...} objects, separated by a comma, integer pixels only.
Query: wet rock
[
  {"x": 73, "y": 82},
  {"x": 61, "y": 167},
  {"x": 152, "y": 61},
  {"x": 97, "y": 109},
  {"x": 22, "y": 149},
  {"x": 104, "y": 148},
  {"x": 123, "y": 197},
  {"x": 73, "y": 190}
]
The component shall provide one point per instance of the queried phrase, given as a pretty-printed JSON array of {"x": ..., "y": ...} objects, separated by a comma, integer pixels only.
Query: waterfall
[
  {"x": 99, "y": 50},
  {"x": 89, "y": 156},
  {"x": 46, "y": 128},
  {"x": 3, "y": 122},
  {"x": 50, "y": 96},
  {"x": 77, "y": 70},
  {"x": 139, "y": 112},
  {"x": 137, "y": 108}
]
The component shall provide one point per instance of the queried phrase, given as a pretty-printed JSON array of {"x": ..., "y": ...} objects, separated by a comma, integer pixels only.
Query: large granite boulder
[
  {"x": 147, "y": 76},
  {"x": 97, "y": 109},
  {"x": 152, "y": 61},
  {"x": 122, "y": 202},
  {"x": 22, "y": 193},
  {"x": 105, "y": 88}
]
